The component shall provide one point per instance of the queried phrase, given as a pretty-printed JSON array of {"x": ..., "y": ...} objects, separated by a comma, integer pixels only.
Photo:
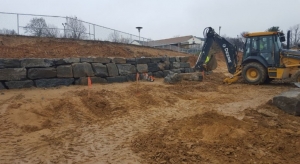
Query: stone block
[
  {"x": 13, "y": 74},
  {"x": 82, "y": 70},
  {"x": 2, "y": 86},
  {"x": 156, "y": 59},
  {"x": 131, "y": 77},
  {"x": 153, "y": 67},
  {"x": 45, "y": 83},
  {"x": 100, "y": 69},
  {"x": 162, "y": 66},
  {"x": 117, "y": 79},
  {"x": 172, "y": 59},
  {"x": 178, "y": 77},
  {"x": 34, "y": 62},
  {"x": 176, "y": 70},
  {"x": 64, "y": 71},
  {"x": 125, "y": 69},
  {"x": 19, "y": 84},
  {"x": 131, "y": 61},
  {"x": 102, "y": 60},
  {"x": 142, "y": 68},
  {"x": 94, "y": 80},
  {"x": 143, "y": 60},
  {"x": 289, "y": 101},
  {"x": 41, "y": 73},
  {"x": 166, "y": 72},
  {"x": 189, "y": 70},
  {"x": 66, "y": 61},
  {"x": 159, "y": 74},
  {"x": 176, "y": 65},
  {"x": 112, "y": 69},
  {"x": 119, "y": 60},
  {"x": 184, "y": 59},
  {"x": 184, "y": 65},
  {"x": 10, "y": 63}
]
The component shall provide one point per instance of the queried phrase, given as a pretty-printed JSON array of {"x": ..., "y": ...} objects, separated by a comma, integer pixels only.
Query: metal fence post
[
  {"x": 18, "y": 24},
  {"x": 94, "y": 31}
]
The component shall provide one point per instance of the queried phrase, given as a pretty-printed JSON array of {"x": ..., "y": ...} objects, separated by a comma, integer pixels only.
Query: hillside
[{"x": 36, "y": 47}]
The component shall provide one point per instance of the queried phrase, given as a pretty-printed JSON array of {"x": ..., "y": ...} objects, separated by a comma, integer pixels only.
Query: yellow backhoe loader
[{"x": 264, "y": 58}]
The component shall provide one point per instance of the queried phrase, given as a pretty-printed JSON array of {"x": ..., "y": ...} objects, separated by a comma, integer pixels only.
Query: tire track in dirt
[{"x": 100, "y": 128}]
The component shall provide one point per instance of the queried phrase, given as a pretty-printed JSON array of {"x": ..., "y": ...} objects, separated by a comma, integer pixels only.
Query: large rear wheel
[
  {"x": 254, "y": 73},
  {"x": 296, "y": 77}
]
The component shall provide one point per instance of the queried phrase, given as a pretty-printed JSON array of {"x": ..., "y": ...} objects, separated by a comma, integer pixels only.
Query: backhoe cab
[{"x": 263, "y": 59}]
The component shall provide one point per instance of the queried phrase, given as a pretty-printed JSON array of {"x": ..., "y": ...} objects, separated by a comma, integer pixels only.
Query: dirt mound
[
  {"x": 215, "y": 138},
  {"x": 35, "y": 47}
]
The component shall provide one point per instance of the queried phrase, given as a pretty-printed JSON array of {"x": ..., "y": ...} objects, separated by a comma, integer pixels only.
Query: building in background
[{"x": 187, "y": 44}]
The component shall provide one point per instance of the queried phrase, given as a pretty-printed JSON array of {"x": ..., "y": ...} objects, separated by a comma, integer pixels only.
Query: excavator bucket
[{"x": 212, "y": 63}]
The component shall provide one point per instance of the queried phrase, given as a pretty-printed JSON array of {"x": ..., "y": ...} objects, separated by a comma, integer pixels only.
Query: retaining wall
[{"x": 37, "y": 72}]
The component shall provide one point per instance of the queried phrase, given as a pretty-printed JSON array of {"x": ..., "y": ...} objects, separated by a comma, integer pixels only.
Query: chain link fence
[{"x": 71, "y": 27}]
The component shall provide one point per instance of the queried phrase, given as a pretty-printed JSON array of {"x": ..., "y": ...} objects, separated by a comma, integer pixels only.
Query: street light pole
[
  {"x": 139, "y": 28},
  {"x": 64, "y": 24}
]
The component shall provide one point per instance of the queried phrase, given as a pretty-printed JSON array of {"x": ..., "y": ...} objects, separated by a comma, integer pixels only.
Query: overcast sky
[{"x": 168, "y": 18}]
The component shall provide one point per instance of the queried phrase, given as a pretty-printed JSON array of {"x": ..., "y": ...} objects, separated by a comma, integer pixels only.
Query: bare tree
[
  {"x": 37, "y": 27},
  {"x": 125, "y": 40},
  {"x": 295, "y": 35},
  {"x": 75, "y": 28},
  {"x": 8, "y": 32},
  {"x": 114, "y": 37},
  {"x": 52, "y": 31}
]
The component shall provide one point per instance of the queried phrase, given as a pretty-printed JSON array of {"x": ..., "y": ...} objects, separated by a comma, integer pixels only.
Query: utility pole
[{"x": 219, "y": 29}]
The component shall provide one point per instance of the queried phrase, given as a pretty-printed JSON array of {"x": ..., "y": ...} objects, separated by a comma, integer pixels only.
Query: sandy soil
[
  {"x": 35, "y": 47},
  {"x": 148, "y": 122}
]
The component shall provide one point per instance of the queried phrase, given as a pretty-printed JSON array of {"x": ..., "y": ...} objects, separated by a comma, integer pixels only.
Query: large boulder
[
  {"x": 112, "y": 69},
  {"x": 35, "y": 62},
  {"x": 153, "y": 67},
  {"x": 119, "y": 60},
  {"x": 100, "y": 69},
  {"x": 143, "y": 60},
  {"x": 2, "y": 86},
  {"x": 142, "y": 68},
  {"x": 94, "y": 80},
  {"x": 82, "y": 70},
  {"x": 41, "y": 73},
  {"x": 10, "y": 63},
  {"x": 19, "y": 84},
  {"x": 45, "y": 83},
  {"x": 117, "y": 79},
  {"x": 172, "y": 77},
  {"x": 64, "y": 71},
  {"x": 95, "y": 60},
  {"x": 289, "y": 101},
  {"x": 66, "y": 61},
  {"x": 131, "y": 61},
  {"x": 13, "y": 74},
  {"x": 125, "y": 69}
]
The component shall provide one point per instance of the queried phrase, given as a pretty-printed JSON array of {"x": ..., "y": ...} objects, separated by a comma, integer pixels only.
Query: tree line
[{"x": 73, "y": 28}]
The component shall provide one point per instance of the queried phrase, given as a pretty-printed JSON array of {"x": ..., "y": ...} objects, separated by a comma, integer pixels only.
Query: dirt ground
[
  {"x": 35, "y": 47},
  {"x": 148, "y": 122}
]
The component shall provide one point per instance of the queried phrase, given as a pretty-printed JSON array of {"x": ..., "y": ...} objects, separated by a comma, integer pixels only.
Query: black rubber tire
[
  {"x": 268, "y": 80},
  {"x": 296, "y": 77},
  {"x": 260, "y": 70}
]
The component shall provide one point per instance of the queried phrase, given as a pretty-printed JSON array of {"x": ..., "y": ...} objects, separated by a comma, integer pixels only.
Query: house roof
[
  {"x": 175, "y": 40},
  {"x": 171, "y": 40},
  {"x": 140, "y": 42}
]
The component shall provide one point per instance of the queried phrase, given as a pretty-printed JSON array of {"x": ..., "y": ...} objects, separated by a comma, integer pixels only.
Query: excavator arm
[{"x": 229, "y": 51}]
